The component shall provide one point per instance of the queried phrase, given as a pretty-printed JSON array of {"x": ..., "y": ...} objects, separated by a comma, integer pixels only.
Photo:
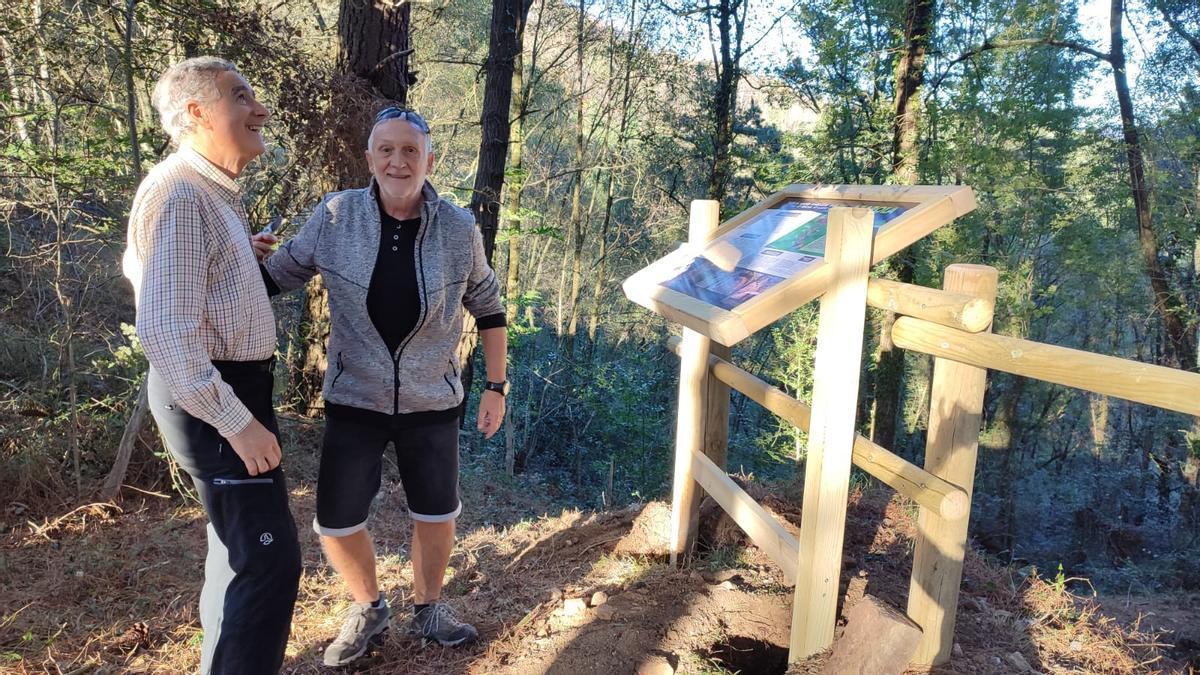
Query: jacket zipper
[
  {"x": 420, "y": 267},
  {"x": 340, "y": 369},
  {"x": 453, "y": 391}
]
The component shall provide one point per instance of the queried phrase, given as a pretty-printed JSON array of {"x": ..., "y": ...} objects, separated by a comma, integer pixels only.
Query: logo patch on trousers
[{"x": 265, "y": 538}]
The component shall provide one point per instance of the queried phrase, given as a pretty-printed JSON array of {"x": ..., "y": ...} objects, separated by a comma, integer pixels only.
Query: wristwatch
[{"x": 498, "y": 387}]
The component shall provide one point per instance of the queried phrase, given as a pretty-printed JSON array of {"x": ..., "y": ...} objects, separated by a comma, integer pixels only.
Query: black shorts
[{"x": 426, "y": 445}]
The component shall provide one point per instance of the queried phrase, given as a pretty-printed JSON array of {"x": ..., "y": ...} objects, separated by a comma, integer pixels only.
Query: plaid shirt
[{"x": 199, "y": 294}]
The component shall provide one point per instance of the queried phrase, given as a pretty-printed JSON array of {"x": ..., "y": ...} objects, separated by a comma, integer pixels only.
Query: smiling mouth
[{"x": 256, "y": 128}]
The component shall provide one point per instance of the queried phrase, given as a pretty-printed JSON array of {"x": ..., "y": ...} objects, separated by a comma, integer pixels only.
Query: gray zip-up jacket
[{"x": 340, "y": 241}]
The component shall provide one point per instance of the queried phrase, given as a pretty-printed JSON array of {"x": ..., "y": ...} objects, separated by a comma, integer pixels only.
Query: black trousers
[{"x": 252, "y": 570}]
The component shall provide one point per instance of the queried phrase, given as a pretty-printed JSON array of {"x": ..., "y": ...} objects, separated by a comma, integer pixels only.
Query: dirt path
[{"x": 113, "y": 589}]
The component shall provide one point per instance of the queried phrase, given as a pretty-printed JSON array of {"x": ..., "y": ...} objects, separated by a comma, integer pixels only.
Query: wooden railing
[{"x": 951, "y": 324}]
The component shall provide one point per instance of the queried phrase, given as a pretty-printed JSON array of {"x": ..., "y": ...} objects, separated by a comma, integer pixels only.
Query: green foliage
[
  {"x": 724, "y": 558},
  {"x": 786, "y": 362}
]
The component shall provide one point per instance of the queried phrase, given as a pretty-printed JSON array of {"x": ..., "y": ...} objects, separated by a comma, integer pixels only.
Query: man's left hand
[{"x": 491, "y": 413}]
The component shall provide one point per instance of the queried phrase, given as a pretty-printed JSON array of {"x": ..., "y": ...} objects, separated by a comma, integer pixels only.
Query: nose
[{"x": 260, "y": 110}]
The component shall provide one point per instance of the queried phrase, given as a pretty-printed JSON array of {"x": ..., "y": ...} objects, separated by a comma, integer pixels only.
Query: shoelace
[
  {"x": 437, "y": 614},
  {"x": 351, "y": 630}
]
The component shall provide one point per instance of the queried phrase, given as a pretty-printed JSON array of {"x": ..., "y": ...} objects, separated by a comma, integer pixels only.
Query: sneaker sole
[
  {"x": 375, "y": 641},
  {"x": 426, "y": 641}
]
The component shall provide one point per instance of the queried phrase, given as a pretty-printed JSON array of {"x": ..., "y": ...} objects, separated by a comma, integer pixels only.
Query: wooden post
[
  {"x": 950, "y": 452},
  {"x": 693, "y": 416},
  {"x": 831, "y": 434}
]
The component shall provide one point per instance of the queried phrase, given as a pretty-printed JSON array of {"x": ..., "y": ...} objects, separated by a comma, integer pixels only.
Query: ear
[
  {"x": 196, "y": 114},
  {"x": 370, "y": 161},
  {"x": 429, "y": 165}
]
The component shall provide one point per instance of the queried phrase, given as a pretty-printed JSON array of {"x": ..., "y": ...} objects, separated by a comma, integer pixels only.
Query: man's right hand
[
  {"x": 263, "y": 243},
  {"x": 258, "y": 448}
]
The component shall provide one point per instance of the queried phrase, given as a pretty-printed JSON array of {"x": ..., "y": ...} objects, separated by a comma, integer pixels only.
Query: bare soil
[{"x": 113, "y": 588}]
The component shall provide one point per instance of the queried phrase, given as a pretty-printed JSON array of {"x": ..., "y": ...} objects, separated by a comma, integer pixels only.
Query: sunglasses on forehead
[{"x": 396, "y": 113}]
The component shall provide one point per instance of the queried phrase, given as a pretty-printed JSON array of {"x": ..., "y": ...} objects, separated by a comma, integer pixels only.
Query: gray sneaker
[
  {"x": 365, "y": 625},
  {"x": 437, "y": 623}
]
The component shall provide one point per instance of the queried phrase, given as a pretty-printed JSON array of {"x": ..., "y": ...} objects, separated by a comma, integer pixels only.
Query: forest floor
[{"x": 113, "y": 588}]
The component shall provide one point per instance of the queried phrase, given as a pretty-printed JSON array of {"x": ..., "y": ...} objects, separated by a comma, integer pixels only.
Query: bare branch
[
  {"x": 989, "y": 45},
  {"x": 1178, "y": 27}
]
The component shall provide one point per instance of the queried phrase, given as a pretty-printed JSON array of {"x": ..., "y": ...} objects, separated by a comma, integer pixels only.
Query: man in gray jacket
[{"x": 400, "y": 264}]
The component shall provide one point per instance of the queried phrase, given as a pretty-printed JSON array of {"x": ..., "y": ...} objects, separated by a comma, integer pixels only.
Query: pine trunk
[
  {"x": 910, "y": 77},
  {"x": 374, "y": 48}
]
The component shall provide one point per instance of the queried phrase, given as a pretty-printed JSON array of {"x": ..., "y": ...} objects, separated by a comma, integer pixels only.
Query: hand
[
  {"x": 258, "y": 448},
  {"x": 491, "y": 413},
  {"x": 263, "y": 243}
]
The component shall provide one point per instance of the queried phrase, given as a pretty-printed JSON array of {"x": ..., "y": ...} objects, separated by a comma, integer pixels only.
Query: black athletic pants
[{"x": 253, "y": 567}]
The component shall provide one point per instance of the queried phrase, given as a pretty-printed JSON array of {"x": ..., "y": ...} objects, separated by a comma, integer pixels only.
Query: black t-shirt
[{"x": 393, "y": 301}]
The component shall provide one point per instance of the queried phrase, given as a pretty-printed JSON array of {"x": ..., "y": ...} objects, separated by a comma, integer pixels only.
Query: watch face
[{"x": 498, "y": 387}]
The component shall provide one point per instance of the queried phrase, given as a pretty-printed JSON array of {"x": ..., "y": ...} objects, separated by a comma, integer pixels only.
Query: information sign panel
[{"x": 768, "y": 260}]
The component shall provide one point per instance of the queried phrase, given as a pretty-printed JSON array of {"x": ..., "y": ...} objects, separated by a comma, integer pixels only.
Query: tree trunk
[
  {"x": 1181, "y": 339},
  {"x": 506, "y": 34},
  {"x": 577, "y": 233},
  {"x": 504, "y": 45},
  {"x": 135, "y": 149},
  {"x": 1006, "y": 429},
  {"x": 314, "y": 331},
  {"x": 1168, "y": 302},
  {"x": 516, "y": 182},
  {"x": 66, "y": 303},
  {"x": 609, "y": 197},
  {"x": 133, "y": 428},
  {"x": 19, "y": 107},
  {"x": 599, "y": 283},
  {"x": 373, "y": 43},
  {"x": 725, "y": 102},
  {"x": 374, "y": 48},
  {"x": 559, "y": 320},
  {"x": 910, "y": 77}
]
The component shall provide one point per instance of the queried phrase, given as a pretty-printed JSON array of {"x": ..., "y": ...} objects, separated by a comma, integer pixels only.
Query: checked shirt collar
[{"x": 227, "y": 188}]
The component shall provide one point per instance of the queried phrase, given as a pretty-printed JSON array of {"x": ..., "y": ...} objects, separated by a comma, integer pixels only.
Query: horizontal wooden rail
[
  {"x": 760, "y": 526},
  {"x": 944, "y": 498},
  {"x": 932, "y": 304},
  {"x": 1153, "y": 385}
]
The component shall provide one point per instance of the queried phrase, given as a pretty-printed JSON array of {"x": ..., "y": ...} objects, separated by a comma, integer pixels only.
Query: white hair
[{"x": 192, "y": 80}]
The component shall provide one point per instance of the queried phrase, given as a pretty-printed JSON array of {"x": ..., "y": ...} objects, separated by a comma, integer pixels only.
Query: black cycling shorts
[{"x": 426, "y": 445}]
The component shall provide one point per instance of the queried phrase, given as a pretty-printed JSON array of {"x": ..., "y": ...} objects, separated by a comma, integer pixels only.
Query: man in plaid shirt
[{"x": 206, "y": 325}]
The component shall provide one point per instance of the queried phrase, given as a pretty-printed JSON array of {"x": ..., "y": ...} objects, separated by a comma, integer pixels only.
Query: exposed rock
[
  {"x": 655, "y": 664},
  {"x": 606, "y": 612},
  {"x": 1018, "y": 661},
  {"x": 878, "y": 640},
  {"x": 573, "y": 606}
]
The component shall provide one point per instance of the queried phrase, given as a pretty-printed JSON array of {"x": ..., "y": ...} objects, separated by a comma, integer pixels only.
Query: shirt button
[
  {"x": 395, "y": 248},
  {"x": 395, "y": 236}
]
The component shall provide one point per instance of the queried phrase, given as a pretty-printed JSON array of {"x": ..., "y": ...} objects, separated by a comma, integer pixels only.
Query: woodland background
[{"x": 579, "y": 132}]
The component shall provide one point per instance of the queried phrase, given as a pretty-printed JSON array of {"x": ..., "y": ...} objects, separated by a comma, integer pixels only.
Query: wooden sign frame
[{"x": 928, "y": 208}]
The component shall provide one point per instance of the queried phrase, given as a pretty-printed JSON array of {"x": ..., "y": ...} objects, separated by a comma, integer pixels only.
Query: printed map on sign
[{"x": 773, "y": 246}]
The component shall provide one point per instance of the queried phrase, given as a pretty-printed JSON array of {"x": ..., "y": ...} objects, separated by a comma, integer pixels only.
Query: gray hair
[{"x": 191, "y": 80}]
